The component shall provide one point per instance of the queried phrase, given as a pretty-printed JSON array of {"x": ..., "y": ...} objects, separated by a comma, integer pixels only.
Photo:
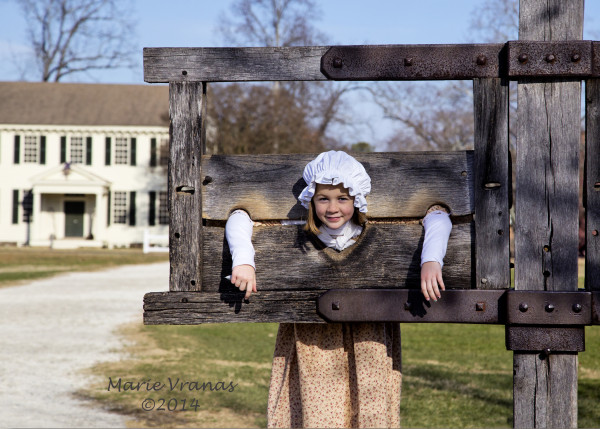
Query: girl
[{"x": 337, "y": 374}]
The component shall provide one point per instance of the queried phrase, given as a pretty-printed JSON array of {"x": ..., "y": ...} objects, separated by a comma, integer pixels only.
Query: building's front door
[{"x": 74, "y": 218}]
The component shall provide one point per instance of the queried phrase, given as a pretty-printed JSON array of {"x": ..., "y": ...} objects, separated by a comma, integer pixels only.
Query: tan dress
[{"x": 336, "y": 375}]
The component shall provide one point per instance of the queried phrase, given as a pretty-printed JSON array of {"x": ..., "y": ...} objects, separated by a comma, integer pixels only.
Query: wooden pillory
[{"x": 375, "y": 280}]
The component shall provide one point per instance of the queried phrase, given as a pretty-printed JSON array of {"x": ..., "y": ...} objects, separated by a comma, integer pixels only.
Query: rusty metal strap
[
  {"x": 513, "y": 60},
  {"x": 501, "y": 306}
]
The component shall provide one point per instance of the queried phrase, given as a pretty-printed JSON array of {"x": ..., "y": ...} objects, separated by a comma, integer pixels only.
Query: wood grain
[
  {"x": 592, "y": 185},
  {"x": 385, "y": 256},
  {"x": 546, "y": 233},
  {"x": 491, "y": 184},
  {"x": 402, "y": 184},
  {"x": 187, "y": 110}
]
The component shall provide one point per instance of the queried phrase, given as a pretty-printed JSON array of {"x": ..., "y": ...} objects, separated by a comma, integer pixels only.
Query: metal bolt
[
  {"x": 577, "y": 308},
  {"x": 546, "y": 248},
  {"x": 480, "y": 306},
  {"x": 575, "y": 58},
  {"x": 407, "y": 306},
  {"x": 481, "y": 60},
  {"x": 549, "y": 308},
  {"x": 484, "y": 280},
  {"x": 207, "y": 180},
  {"x": 335, "y": 305},
  {"x": 595, "y": 232},
  {"x": 337, "y": 63},
  {"x": 523, "y": 307},
  {"x": 408, "y": 62},
  {"x": 550, "y": 58},
  {"x": 546, "y": 352},
  {"x": 523, "y": 58}
]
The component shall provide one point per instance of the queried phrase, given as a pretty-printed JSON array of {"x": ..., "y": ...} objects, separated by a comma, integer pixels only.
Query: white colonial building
[{"x": 82, "y": 164}]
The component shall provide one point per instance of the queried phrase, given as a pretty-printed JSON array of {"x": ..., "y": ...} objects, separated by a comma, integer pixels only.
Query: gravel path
[{"x": 52, "y": 329}]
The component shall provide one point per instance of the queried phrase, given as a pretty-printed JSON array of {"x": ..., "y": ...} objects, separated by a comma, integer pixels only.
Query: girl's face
[{"x": 333, "y": 205}]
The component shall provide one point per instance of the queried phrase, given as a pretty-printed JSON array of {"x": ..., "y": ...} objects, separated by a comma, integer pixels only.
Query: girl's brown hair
[{"x": 313, "y": 222}]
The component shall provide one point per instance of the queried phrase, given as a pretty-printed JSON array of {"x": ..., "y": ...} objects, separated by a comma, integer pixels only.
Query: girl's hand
[
  {"x": 244, "y": 278},
  {"x": 431, "y": 280}
]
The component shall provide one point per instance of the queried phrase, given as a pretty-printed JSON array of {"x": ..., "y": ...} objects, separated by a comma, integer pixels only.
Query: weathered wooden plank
[
  {"x": 592, "y": 185},
  {"x": 491, "y": 183},
  {"x": 187, "y": 110},
  {"x": 401, "y": 305},
  {"x": 191, "y": 308},
  {"x": 385, "y": 256},
  {"x": 233, "y": 64},
  {"x": 546, "y": 232},
  {"x": 402, "y": 184}
]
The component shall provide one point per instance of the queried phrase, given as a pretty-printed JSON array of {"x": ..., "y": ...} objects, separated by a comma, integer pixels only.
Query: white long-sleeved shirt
[{"x": 238, "y": 232}]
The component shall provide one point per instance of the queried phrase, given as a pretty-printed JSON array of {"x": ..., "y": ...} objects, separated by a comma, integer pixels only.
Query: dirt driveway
[{"x": 52, "y": 329}]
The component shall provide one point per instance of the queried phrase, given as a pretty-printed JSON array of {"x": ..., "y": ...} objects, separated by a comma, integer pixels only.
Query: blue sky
[{"x": 178, "y": 23}]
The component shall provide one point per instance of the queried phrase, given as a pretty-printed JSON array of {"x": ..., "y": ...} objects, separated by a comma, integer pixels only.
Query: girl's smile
[{"x": 333, "y": 205}]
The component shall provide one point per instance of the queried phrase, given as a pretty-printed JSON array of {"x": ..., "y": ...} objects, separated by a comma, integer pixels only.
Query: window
[
  {"x": 78, "y": 151},
  {"x": 124, "y": 151},
  {"x": 30, "y": 149},
  {"x": 120, "y": 207},
  {"x": 163, "y": 208},
  {"x": 124, "y": 207},
  {"x": 159, "y": 153}
]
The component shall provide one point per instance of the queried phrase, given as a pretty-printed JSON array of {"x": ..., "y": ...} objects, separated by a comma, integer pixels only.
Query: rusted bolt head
[
  {"x": 550, "y": 58},
  {"x": 549, "y": 308},
  {"x": 408, "y": 62},
  {"x": 337, "y": 63},
  {"x": 480, "y": 306},
  {"x": 523, "y": 58},
  {"x": 335, "y": 305},
  {"x": 595, "y": 232},
  {"x": 577, "y": 308},
  {"x": 523, "y": 307},
  {"x": 575, "y": 58},
  {"x": 407, "y": 306},
  {"x": 484, "y": 280},
  {"x": 481, "y": 60}
]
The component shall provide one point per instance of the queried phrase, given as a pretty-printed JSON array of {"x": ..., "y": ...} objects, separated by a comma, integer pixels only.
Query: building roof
[{"x": 43, "y": 103}]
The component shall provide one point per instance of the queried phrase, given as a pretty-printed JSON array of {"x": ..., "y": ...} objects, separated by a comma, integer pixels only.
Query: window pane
[
  {"x": 120, "y": 207},
  {"x": 163, "y": 208},
  {"x": 77, "y": 150},
  {"x": 121, "y": 151},
  {"x": 30, "y": 149}
]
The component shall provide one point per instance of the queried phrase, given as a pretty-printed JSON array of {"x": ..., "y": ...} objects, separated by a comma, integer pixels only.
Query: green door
[{"x": 74, "y": 218}]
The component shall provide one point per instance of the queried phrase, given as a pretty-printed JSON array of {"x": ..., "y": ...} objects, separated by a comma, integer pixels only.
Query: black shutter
[
  {"x": 88, "y": 151},
  {"x": 153, "y": 152},
  {"x": 133, "y": 151},
  {"x": 15, "y": 207},
  {"x": 63, "y": 149},
  {"x": 42, "y": 149},
  {"x": 108, "y": 210},
  {"x": 107, "y": 152},
  {"x": 17, "y": 153},
  {"x": 152, "y": 209},
  {"x": 132, "y": 208}
]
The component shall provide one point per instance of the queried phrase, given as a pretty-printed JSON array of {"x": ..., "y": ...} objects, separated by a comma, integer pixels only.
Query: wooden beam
[
  {"x": 187, "y": 110},
  {"x": 385, "y": 256},
  {"x": 403, "y": 184},
  {"x": 592, "y": 185},
  {"x": 491, "y": 184},
  {"x": 233, "y": 64},
  {"x": 546, "y": 232}
]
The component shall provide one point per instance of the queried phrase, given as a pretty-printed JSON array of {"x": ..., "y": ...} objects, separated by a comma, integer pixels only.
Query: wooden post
[
  {"x": 491, "y": 184},
  {"x": 546, "y": 232},
  {"x": 592, "y": 184},
  {"x": 187, "y": 110}
]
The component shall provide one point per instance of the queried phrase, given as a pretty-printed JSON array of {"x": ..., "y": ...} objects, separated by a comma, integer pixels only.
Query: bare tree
[
  {"x": 77, "y": 36},
  {"x": 282, "y": 23}
]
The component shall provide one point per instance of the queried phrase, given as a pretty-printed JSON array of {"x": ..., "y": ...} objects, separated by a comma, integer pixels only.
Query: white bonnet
[{"x": 333, "y": 168}]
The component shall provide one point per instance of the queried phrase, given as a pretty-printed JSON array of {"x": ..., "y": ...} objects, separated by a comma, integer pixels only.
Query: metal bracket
[
  {"x": 513, "y": 59},
  {"x": 535, "y": 320}
]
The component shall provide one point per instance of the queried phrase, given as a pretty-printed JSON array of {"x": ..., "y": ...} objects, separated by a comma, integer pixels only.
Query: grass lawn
[
  {"x": 18, "y": 264},
  {"x": 454, "y": 375}
]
